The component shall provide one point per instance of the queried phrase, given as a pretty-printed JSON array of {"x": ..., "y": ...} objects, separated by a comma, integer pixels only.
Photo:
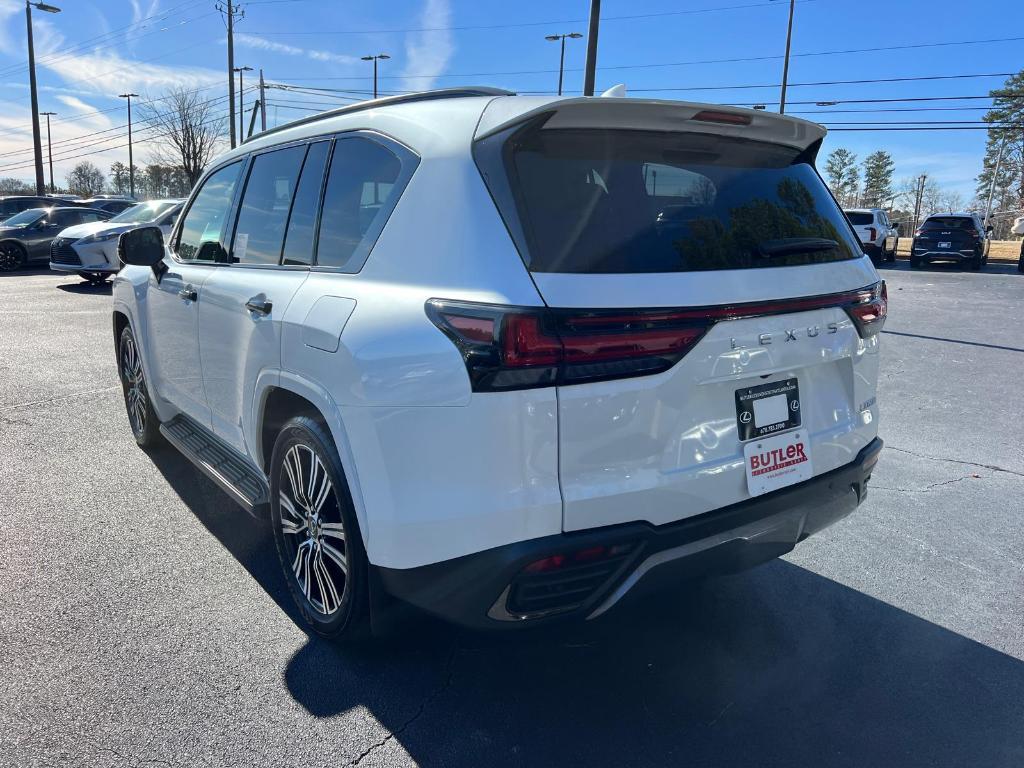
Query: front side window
[
  {"x": 202, "y": 232},
  {"x": 263, "y": 213},
  {"x": 622, "y": 201},
  {"x": 361, "y": 192},
  {"x": 69, "y": 218}
]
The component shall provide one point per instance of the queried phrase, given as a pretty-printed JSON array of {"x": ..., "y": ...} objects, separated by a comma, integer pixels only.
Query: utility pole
[
  {"x": 561, "y": 60},
  {"x": 992, "y": 184},
  {"x": 229, "y": 9},
  {"x": 131, "y": 161},
  {"x": 241, "y": 105},
  {"x": 49, "y": 147},
  {"x": 919, "y": 197},
  {"x": 263, "y": 103},
  {"x": 375, "y": 59},
  {"x": 37, "y": 144},
  {"x": 785, "y": 62},
  {"x": 590, "y": 68}
]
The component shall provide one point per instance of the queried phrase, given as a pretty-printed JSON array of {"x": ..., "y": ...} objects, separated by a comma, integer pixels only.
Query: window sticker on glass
[{"x": 241, "y": 243}]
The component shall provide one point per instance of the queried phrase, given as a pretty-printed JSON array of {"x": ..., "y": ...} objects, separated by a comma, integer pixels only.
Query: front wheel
[
  {"x": 141, "y": 416},
  {"x": 316, "y": 531},
  {"x": 12, "y": 257},
  {"x": 94, "y": 278}
]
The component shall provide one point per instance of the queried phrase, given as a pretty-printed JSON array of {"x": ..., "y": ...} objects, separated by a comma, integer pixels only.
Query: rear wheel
[
  {"x": 976, "y": 262},
  {"x": 141, "y": 416},
  {"x": 316, "y": 531},
  {"x": 12, "y": 257},
  {"x": 915, "y": 263}
]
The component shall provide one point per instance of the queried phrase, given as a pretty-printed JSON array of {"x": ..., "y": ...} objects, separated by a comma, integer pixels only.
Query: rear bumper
[{"x": 491, "y": 590}]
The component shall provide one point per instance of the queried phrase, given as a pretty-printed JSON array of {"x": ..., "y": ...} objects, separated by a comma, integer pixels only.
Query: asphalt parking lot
[{"x": 143, "y": 620}]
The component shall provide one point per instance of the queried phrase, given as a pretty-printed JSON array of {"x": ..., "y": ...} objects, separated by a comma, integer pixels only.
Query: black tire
[
  {"x": 94, "y": 278},
  {"x": 915, "y": 263},
  {"x": 141, "y": 416},
  {"x": 892, "y": 254},
  {"x": 976, "y": 263},
  {"x": 12, "y": 256},
  {"x": 317, "y": 533},
  {"x": 1020, "y": 261}
]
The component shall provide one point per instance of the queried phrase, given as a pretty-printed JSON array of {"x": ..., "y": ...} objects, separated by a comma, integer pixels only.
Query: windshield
[
  {"x": 25, "y": 218},
  {"x": 860, "y": 218},
  {"x": 624, "y": 201},
  {"x": 143, "y": 212}
]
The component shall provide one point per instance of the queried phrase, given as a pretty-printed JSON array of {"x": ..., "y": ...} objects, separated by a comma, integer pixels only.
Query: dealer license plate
[
  {"x": 767, "y": 409},
  {"x": 945, "y": 244},
  {"x": 777, "y": 461}
]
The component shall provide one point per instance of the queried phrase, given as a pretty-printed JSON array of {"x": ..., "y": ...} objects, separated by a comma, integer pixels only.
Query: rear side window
[
  {"x": 301, "y": 234},
  {"x": 362, "y": 189},
  {"x": 266, "y": 201},
  {"x": 860, "y": 218},
  {"x": 202, "y": 232},
  {"x": 620, "y": 201},
  {"x": 948, "y": 222}
]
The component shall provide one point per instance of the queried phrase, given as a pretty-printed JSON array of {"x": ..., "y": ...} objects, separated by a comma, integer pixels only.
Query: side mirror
[
  {"x": 989, "y": 229},
  {"x": 896, "y": 226},
  {"x": 143, "y": 246}
]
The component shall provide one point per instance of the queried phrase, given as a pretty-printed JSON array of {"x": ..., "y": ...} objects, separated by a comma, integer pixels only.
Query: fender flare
[{"x": 321, "y": 399}]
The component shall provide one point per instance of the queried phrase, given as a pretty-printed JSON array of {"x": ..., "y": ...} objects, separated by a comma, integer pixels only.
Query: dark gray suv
[
  {"x": 25, "y": 237},
  {"x": 959, "y": 237}
]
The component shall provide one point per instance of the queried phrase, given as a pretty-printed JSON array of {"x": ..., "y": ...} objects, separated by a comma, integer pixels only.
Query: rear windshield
[
  {"x": 623, "y": 201},
  {"x": 860, "y": 218},
  {"x": 948, "y": 222}
]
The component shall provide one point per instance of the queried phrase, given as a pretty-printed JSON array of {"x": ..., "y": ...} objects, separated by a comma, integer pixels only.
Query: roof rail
[{"x": 440, "y": 93}]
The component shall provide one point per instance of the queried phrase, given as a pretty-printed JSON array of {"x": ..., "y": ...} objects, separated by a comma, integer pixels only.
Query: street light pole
[
  {"x": 241, "y": 102},
  {"x": 37, "y": 144},
  {"x": 49, "y": 147},
  {"x": 374, "y": 59},
  {"x": 561, "y": 60},
  {"x": 131, "y": 161},
  {"x": 785, "y": 62}
]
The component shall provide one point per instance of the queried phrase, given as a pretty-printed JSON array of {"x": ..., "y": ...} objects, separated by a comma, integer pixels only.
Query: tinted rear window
[
  {"x": 859, "y": 218},
  {"x": 948, "y": 222},
  {"x": 618, "y": 201}
]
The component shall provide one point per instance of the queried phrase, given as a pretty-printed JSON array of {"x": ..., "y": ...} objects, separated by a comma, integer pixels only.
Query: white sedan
[{"x": 91, "y": 249}]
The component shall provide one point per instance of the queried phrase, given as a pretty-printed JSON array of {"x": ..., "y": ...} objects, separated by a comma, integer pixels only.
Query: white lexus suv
[{"x": 511, "y": 359}]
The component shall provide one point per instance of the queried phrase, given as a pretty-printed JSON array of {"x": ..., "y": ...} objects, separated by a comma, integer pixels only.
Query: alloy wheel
[
  {"x": 313, "y": 530},
  {"x": 134, "y": 384},
  {"x": 10, "y": 257}
]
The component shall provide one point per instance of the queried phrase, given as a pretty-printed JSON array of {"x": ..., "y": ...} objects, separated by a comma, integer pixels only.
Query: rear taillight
[
  {"x": 869, "y": 308},
  {"x": 917, "y": 232},
  {"x": 508, "y": 348},
  {"x": 518, "y": 348},
  {"x": 872, "y": 233}
]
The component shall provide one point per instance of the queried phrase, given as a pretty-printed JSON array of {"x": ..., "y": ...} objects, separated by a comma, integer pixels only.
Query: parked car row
[
  {"x": 12, "y": 204},
  {"x": 75, "y": 238}
]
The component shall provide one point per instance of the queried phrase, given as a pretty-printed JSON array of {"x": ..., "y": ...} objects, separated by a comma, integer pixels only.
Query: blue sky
[{"x": 96, "y": 49}]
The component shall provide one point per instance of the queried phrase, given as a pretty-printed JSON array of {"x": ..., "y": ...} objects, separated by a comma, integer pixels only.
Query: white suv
[
  {"x": 877, "y": 234},
  {"x": 505, "y": 358}
]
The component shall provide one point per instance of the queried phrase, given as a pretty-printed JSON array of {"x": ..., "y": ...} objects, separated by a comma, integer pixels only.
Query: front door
[
  {"x": 176, "y": 293},
  {"x": 243, "y": 303}
]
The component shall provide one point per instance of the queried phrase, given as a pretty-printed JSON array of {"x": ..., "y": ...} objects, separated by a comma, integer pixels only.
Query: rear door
[
  {"x": 240, "y": 319},
  {"x": 710, "y": 302}
]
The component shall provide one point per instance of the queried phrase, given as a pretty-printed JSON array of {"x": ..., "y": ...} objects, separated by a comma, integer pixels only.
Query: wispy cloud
[
  {"x": 84, "y": 112},
  {"x": 105, "y": 71},
  {"x": 261, "y": 43},
  {"x": 8, "y": 8},
  {"x": 427, "y": 54}
]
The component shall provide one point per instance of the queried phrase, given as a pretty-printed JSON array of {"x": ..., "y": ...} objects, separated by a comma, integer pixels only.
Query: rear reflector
[{"x": 523, "y": 347}]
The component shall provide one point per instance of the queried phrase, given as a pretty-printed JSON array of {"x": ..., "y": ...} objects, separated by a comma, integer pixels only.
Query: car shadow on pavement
[
  {"x": 27, "y": 272},
  {"x": 87, "y": 288},
  {"x": 777, "y": 666},
  {"x": 993, "y": 268}
]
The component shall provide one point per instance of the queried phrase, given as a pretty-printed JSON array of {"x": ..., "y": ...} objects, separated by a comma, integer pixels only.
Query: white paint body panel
[{"x": 435, "y": 470}]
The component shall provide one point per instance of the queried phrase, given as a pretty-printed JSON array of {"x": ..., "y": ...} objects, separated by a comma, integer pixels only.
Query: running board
[{"x": 235, "y": 476}]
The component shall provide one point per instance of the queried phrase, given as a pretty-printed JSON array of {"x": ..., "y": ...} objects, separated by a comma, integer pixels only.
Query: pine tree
[
  {"x": 878, "y": 169},
  {"x": 1007, "y": 119},
  {"x": 843, "y": 175}
]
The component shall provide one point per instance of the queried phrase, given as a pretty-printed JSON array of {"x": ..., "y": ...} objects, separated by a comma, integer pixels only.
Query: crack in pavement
[
  {"x": 449, "y": 668},
  {"x": 59, "y": 398},
  {"x": 926, "y": 489},
  {"x": 992, "y": 467}
]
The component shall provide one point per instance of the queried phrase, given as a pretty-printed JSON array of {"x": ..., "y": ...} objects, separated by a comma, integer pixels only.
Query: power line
[
  {"x": 694, "y": 62},
  {"x": 521, "y": 24}
]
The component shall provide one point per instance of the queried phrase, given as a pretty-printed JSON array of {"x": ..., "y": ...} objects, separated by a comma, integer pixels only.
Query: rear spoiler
[{"x": 649, "y": 115}]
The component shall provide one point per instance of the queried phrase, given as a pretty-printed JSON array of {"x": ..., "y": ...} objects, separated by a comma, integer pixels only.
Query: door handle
[
  {"x": 259, "y": 305},
  {"x": 188, "y": 293}
]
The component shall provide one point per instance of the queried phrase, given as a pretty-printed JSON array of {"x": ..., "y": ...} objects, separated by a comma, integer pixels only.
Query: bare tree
[
  {"x": 86, "y": 179},
  {"x": 188, "y": 130}
]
